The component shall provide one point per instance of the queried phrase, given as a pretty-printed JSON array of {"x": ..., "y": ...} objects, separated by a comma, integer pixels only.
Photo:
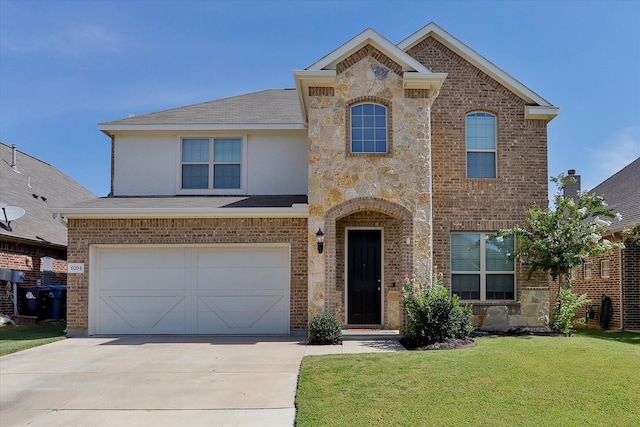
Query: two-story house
[{"x": 249, "y": 214}]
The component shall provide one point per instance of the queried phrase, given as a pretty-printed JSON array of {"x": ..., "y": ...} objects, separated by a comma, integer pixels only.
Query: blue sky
[{"x": 67, "y": 65}]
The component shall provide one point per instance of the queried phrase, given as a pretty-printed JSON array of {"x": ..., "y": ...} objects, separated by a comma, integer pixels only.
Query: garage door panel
[
  {"x": 141, "y": 259},
  {"x": 247, "y": 278},
  {"x": 239, "y": 314},
  {"x": 167, "y": 279},
  {"x": 142, "y": 312},
  {"x": 241, "y": 258},
  {"x": 219, "y": 290}
]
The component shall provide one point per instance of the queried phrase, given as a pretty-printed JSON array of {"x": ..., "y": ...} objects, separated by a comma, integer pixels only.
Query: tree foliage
[{"x": 556, "y": 240}]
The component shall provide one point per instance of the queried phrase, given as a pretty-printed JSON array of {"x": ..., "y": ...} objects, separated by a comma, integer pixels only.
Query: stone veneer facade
[
  {"x": 83, "y": 233},
  {"x": 390, "y": 191}
]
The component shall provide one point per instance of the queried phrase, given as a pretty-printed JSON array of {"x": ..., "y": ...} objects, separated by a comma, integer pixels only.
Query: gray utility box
[{"x": 5, "y": 274}]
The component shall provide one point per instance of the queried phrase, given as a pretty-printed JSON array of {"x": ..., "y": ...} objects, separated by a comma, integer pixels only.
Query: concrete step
[{"x": 353, "y": 334}]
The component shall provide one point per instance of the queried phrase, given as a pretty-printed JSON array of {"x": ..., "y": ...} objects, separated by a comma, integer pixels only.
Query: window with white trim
[
  {"x": 481, "y": 268},
  {"x": 605, "y": 266},
  {"x": 368, "y": 128},
  {"x": 481, "y": 145},
  {"x": 211, "y": 163}
]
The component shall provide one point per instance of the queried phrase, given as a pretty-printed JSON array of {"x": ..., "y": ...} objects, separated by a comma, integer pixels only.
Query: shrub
[
  {"x": 567, "y": 304},
  {"x": 325, "y": 328},
  {"x": 433, "y": 315}
]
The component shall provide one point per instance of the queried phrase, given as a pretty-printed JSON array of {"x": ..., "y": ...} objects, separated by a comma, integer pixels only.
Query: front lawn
[
  {"x": 589, "y": 379},
  {"x": 17, "y": 338}
]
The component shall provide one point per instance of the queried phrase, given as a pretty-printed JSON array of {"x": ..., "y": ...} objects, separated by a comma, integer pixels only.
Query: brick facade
[
  {"x": 631, "y": 286},
  {"x": 597, "y": 286},
  {"x": 623, "y": 284},
  {"x": 193, "y": 231},
  {"x": 481, "y": 204},
  {"x": 28, "y": 258}
]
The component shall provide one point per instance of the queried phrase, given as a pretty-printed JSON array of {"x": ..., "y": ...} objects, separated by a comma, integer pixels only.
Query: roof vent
[{"x": 14, "y": 158}]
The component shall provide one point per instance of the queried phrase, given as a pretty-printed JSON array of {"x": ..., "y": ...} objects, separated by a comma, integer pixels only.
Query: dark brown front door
[{"x": 364, "y": 274}]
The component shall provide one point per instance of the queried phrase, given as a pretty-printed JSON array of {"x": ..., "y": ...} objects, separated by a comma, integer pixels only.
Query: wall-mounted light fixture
[{"x": 320, "y": 240}]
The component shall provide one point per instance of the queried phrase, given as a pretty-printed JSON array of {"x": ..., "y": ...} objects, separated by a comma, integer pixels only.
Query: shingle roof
[
  {"x": 37, "y": 188},
  {"x": 621, "y": 192},
  {"x": 273, "y": 106}
]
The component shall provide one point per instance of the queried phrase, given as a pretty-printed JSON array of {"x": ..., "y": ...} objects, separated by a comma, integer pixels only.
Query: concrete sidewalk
[{"x": 160, "y": 381}]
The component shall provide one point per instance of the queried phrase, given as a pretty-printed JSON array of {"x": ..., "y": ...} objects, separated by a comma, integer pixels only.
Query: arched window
[
  {"x": 481, "y": 145},
  {"x": 369, "y": 128}
]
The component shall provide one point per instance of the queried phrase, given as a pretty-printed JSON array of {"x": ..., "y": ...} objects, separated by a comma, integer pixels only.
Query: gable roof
[
  {"x": 538, "y": 107},
  {"x": 37, "y": 187},
  {"x": 621, "y": 192},
  {"x": 323, "y": 72},
  {"x": 267, "y": 109}
]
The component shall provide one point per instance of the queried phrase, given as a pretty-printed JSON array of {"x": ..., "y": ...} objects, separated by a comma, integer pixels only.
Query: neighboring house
[
  {"x": 36, "y": 243},
  {"x": 616, "y": 276},
  {"x": 401, "y": 155}
]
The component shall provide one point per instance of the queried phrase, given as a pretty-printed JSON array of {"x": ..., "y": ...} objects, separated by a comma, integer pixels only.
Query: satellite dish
[{"x": 10, "y": 213}]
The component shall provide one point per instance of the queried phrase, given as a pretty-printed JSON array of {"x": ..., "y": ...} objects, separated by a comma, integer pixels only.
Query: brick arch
[{"x": 352, "y": 206}]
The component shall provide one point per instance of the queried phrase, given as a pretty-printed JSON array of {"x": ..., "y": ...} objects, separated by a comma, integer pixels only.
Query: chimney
[
  {"x": 572, "y": 189},
  {"x": 14, "y": 157}
]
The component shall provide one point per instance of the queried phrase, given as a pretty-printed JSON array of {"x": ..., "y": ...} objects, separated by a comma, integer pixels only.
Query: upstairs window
[
  {"x": 481, "y": 269},
  {"x": 481, "y": 145},
  {"x": 587, "y": 270},
  {"x": 605, "y": 266},
  {"x": 369, "y": 128},
  {"x": 211, "y": 163}
]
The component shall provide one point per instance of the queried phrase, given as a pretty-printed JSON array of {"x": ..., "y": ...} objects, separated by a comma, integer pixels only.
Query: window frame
[
  {"x": 587, "y": 270},
  {"x": 211, "y": 163},
  {"x": 482, "y": 272},
  {"x": 605, "y": 269},
  {"x": 375, "y": 101},
  {"x": 494, "y": 150}
]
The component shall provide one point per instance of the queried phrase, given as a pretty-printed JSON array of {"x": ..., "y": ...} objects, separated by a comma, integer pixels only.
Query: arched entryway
[{"x": 368, "y": 250}]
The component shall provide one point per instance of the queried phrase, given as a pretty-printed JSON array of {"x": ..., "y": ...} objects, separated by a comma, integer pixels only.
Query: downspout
[
  {"x": 620, "y": 281},
  {"x": 431, "y": 100},
  {"x": 113, "y": 153}
]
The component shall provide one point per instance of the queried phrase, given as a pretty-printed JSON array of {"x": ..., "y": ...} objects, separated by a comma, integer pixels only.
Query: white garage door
[{"x": 232, "y": 290}]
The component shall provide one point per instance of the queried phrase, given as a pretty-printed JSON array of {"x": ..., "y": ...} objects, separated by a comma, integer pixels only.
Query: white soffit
[{"x": 433, "y": 30}]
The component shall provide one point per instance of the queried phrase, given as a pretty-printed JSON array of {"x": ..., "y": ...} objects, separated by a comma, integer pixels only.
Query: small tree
[{"x": 556, "y": 240}]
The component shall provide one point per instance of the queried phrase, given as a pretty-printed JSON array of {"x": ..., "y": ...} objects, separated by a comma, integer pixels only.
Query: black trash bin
[
  {"x": 35, "y": 301},
  {"x": 57, "y": 302}
]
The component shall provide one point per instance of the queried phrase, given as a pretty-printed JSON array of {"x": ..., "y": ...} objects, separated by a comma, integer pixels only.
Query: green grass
[
  {"x": 589, "y": 379},
  {"x": 17, "y": 338}
]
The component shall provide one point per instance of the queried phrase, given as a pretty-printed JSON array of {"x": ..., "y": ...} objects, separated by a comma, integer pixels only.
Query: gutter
[{"x": 296, "y": 211}]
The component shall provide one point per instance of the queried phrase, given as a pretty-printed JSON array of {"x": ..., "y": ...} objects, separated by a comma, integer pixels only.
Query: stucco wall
[{"x": 148, "y": 164}]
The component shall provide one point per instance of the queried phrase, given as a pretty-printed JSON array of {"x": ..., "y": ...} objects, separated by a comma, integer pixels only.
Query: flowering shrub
[{"x": 432, "y": 315}]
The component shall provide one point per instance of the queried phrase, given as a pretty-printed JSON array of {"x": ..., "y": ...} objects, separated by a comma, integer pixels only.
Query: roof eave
[
  {"x": 537, "y": 112},
  {"x": 430, "y": 81},
  {"x": 305, "y": 79},
  {"x": 108, "y": 129},
  {"x": 295, "y": 211}
]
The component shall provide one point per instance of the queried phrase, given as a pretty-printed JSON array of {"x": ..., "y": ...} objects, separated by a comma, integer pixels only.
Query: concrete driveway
[{"x": 155, "y": 381}]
